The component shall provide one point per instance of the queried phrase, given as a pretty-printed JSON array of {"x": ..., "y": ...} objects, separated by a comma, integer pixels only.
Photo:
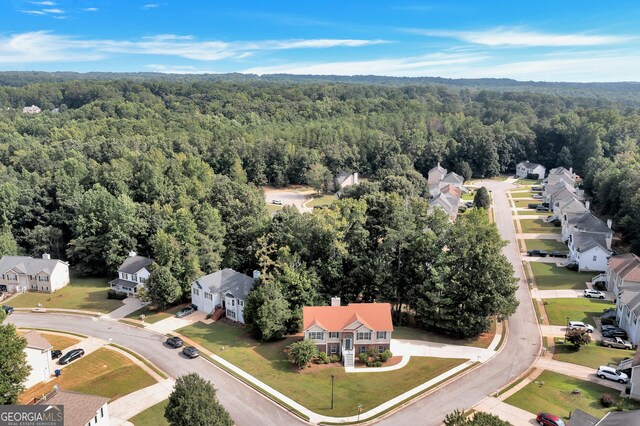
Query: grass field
[
  {"x": 592, "y": 355},
  {"x": 272, "y": 208},
  {"x": 538, "y": 226},
  {"x": 482, "y": 341},
  {"x": 312, "y": 387},
  {"x": 579, "y": 309},
  {"x": 323, "y": 200},
  {"x": 152, "y": 416},
  {"x": 525, "y": 203},
  {"x": 548, "y": 245},
  {"x": 152, "y": 316},
  {"x": 520, "y": 193},
  {"x": 553, "y": 393},
  {"x": 548, "y": 276},
  {"x": 468, "y": 196},
  {"x": 60, "y": 342},
  {"x": 528, "y": 182},
  {"x": 103, "y": 372},
  {"x": 89, "y": 294}
]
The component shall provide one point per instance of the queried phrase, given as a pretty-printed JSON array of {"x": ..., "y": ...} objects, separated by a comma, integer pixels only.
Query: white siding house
[
  {"x": 23, "y": 273},
  {"x": 132, "y": 274},
  {"x": 525, "y": 168},
  {"x": 628, "y": 313},
  {"x": 344, "y": 179},
  {"x": 38, "y": 352},
  {"x": 222, "y": 292}
]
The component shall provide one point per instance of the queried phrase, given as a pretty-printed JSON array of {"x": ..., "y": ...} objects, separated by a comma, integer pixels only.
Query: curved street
[{"x": 248, "y": 407}]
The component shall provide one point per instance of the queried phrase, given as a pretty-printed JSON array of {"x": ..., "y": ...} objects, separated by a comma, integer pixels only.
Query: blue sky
[{"x": 534, "y": 40}]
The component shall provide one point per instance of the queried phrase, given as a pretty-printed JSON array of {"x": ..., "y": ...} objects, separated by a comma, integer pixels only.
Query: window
[
  {"x": 233, "y": 302},
  {"x": 241, "y": 303},
  {"x": 143, "y": 279},
  {"x": 362, "y": 350},
  {"x": 595, "y": 258},
  {"x": 135, "y": 278},
  {"x": 196, "y": 292},
  {"x": 101, "y": 411},
  {"x": 381, "y": 349},
  {"x": 333, "y": 349},
  {"x": 333, "y": 335},
  {"x": 231, "y": 314},
  {"x": 316, "y": 335},
  {"x": 364, "y": 335},
  {"x": 96, "y": 418},
  {"x": 208, "y": 296},
  {"x": 381, "y": 335}
]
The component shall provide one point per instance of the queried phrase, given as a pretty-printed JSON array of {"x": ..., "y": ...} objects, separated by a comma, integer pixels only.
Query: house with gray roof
[
  {"x": 132, "y": 274},
  {"x": 560, "y": 174},
  {"x": 447, "y": 201},
  {"x": 526, "y": 168},
  {"x": 80, "y": 409},
  {"x": 589, "y": 250},
  {"x": 344, "y": 179},
  {"x": 222, "y": 292},
  {"x": 24, "y": 273},
  {"x": 435, "y": 175},
  {"x": 38, "y": 357},
  {"x": 584, "y": 221},
  {"x": 628, "y": 314}
]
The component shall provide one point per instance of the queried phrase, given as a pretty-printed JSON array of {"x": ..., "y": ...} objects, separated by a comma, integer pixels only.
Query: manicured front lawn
[
  {"x": 410, "y": 333},
  {"x": 528, "y": 182},
  {"x": 323, "y": 200},
  {"x": 591, "y": 355},
  {"x": 60, "y": 342},
  {"x": 525, "y": 203},
  {"x": 538, "y": 226},
  {"x": 273, "y": 209},
  {"x": 152, "y": 316},
  {"x": 88, "y": 294},
  {"x": 579, "y": 309},
  {"x": 312, "y": 387},
  {"x": 152, "y": 416},
  {"x": 548, "y": 245},
  {"x": 103, "y": 372},
  {"x": 468, "y": 196},
  {"x": 548, "y": 276},
  {"x": 552, "y": 393}
]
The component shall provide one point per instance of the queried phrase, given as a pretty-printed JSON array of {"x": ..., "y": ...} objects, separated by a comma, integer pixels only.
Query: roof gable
[
  {"x": 227, "y": 281},
  {"x": 29, "y": 265},
  {"x": 134, "y": 264},
  {"x": 375, "y": 316}
]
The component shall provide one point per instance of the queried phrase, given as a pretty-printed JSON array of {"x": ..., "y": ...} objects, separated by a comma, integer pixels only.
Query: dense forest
[{"x": 173, "y": 170}]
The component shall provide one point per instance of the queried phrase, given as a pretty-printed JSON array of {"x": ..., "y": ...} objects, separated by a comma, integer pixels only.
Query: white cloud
[
  {"x": 151, "y": 6},
  {"x": 179, "y": 69},
  {"x": 324, "y": 43},
  {"x": 40, "y": 46},
  {"x": 90, "y": 9},
  {"x": 33, "y": 12},
  {"x": 56, "y": 11},
  {"x": 42, "y": 3},
  {"x": 503, "y": 36}
]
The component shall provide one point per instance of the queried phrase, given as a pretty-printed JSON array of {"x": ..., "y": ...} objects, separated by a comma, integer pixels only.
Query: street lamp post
[
  {"x": 359, "y": 410},
  {"x": 332, "y": 379},
  {"x": 566, "y": 330}
]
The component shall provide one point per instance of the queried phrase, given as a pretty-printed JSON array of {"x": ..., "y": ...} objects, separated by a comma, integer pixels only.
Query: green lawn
[
  {"x": 482, "y": 341},
  {"x": 552, "y": 393},
  {"x": 88, "y": 294},
  {"x": 525, "y": 203},
  {"x": 468, "y": 196},
  {"x": 548, "y": 245},
  {"x": 103, "y": 372},
  {"x": 60, "y": 342},
  {"x": 152, "y": 316},
  {"x": 538, "y": 226},
  {"x": 579, "y": 309},
  {"x": 528, "y": 182},
  {"x": 521, "y": 192},
  {"x": 272, "y": 208},
  {"x": 591, "y": 355},
  {"x": 548, "y": 276},
  {"x": 323, "y": 200},
  {"x": 312, "y": 387},
  {"x": 152, "y": 416}
]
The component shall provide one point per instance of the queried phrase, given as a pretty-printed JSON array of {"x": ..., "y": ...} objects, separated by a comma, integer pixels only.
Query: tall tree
[
  {"x": 318, "y": 177},
  {"x": 482, "y": 199},
  {"x": 8, "y": 245},
  {"x": 194, "y": 402},
  {"x": 161, "y": 289},
  {"x": 266, "y": 312},
  {"x": 14, "y": 369}
]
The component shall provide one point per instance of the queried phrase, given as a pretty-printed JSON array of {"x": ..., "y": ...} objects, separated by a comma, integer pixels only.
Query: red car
[{"x": 546, "y": 419}]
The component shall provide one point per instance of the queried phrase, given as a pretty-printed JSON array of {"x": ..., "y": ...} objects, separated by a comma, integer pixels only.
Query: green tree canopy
[
  {"x": 14, "y": 369},
  {"x": 194, "y": 402}
]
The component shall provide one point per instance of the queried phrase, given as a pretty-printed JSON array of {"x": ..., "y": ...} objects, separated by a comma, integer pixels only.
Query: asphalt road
[
  {"x": 246, "y": 406},
  {"x": 519, "y": 353}
]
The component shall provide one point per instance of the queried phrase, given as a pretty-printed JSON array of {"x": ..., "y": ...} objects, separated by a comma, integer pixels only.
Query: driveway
[
  {"x": 557, "y": 294},
  {"x": 130, "y": 305},
  {"x": 561, "y": 330},
  {"x": 173, "y": 323},
  {"x": 546, "y": 259},
  {"x": 292, "y": 196},
  {"x": 514, "y": 415},
  {"x": 246, "y": 406},
  {"x": 520, "y": 351},
  {"x": 438, "y": 350}
]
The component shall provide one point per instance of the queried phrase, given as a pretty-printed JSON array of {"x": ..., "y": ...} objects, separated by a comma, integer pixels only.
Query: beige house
[
  {"x": 23, "y": 273},
  {"x": 80, "y": 409},
  {"x": 348, "y": 330},
  {"x": 38, "y": 352}
]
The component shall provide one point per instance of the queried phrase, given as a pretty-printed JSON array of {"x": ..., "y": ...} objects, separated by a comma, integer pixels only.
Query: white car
[
  {"x": 537, "y": 196},
  {"x": 612, "y": 374},
  {"x": 593, "y": 293},
  {"x": 276, "y": 202},
  {"x": 579, "y": 325}
]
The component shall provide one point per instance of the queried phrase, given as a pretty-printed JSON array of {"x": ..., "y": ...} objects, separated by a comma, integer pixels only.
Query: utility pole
[{"x": 332, "y": 379}]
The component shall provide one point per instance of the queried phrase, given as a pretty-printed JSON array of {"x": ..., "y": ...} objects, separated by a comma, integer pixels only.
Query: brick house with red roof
[{"x": 348, "y": 330}]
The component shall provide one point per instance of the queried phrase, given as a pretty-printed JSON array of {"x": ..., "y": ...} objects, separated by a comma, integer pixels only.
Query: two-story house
[
  {"x": 623, "y": 279},
  {"x": 628, "y": 312},
  {"x": 23, "y": 273},
  {"x": 344, "y": 179},
  {"x": 348, "y": 330},
  {"x": 80, "y": 409},
  {"x": 623, "y": 272},
  {"x": 132, "y": 274},
  {"x": 560, "y": 174},
  {"x": 223, "y": 292},
  {"x": 38, "y": 352},
  {"x": 526, "y": 168}
]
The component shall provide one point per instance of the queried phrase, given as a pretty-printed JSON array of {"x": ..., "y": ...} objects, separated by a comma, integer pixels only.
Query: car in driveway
[
  {"x": 556, "y": 253},
  {"x": 541, "y": 253},
  {"x": 537, "y": 196},
  {"x": 579, "y": 325},
  {"x": 56, "y": 353},
  {"x": 70, "y": 356},
  {"x": 7, "y": 309},
  {"x": 611, "y": 373},
  {"x": 185, "y": 311},
  {"x": 595, "y": 294},
  {"x": 546, "y": 419},
  {"x": 191, "y": 352},
  {"x": 175, "y": 342},
  {"x": 616, "y": 332},
  {"x": 542, "y": 208},
  {"x": 616, "y": 342},
  {"x": 276, "y": 202},
  {"x": 533, "y": 205}
]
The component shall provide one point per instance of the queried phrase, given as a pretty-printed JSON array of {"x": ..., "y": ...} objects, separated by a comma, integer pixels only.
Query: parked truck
[{"x": 616, "y": 342}]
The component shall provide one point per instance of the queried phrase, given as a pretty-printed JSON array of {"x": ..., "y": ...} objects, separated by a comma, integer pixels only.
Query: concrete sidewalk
[
  {"x": 171, "y": 324},
  {"x": 577, "y": 371},
  {"x": 134, "y": 403},
  {"x": 557, "y": 294},
  {"x": 522, "y": 236},
  {"x": 513, "y": 415}
]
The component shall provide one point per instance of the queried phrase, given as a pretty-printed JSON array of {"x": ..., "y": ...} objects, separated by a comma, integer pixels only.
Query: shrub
[
  {"x": 334, "y": 358},
  {"x": 372, "y": 351},
  {"x": 578, "y": 338},
  {"x": 606, "y": 399},
  {"x": 117, "y": 295},
  {"x": 363, "y": 358},
  {"x": 462, "y": 208},
  {"x": 384, "y": 356},
  {"x": 377, "y": 364},
  {"x": 302, "y": 352},
  {"x": 324, "y": 357},
  {"x": 600, "y": 285}
]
